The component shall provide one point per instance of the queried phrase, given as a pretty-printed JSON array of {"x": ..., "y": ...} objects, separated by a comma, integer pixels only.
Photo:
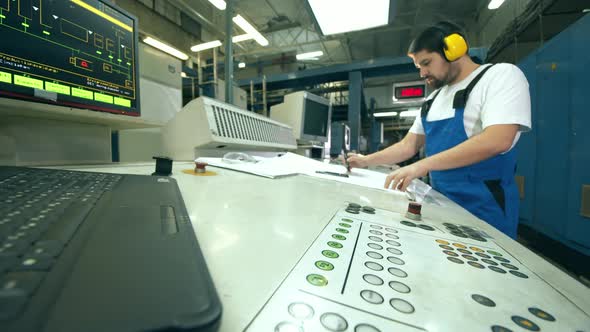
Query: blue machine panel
[
  {"x": 554, "y": 159},
  {"x": 578, "y": 227}
]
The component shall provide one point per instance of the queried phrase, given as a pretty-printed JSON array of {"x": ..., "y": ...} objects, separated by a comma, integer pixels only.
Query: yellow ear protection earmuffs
[{"x": 455, "y": 46}]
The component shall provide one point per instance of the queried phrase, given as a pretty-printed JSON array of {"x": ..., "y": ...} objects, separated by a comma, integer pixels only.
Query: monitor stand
[
  {"x": 30, "y": 141},
  {"x": 311, "y": 150},
  {"x": 38, "y": 134}
]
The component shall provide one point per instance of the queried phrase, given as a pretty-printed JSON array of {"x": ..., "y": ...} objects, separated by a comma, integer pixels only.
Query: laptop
[{"x": 84, "y": 251}]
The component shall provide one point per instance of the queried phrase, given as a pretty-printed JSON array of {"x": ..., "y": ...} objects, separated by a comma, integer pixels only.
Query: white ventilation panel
[{"x": 206, "y": 125}]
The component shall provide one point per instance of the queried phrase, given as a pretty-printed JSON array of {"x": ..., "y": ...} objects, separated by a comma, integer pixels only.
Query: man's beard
[{"x": 436, "y": 83}]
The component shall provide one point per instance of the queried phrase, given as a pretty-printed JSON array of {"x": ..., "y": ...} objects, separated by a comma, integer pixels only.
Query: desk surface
[{"x": 254, "y": 230}]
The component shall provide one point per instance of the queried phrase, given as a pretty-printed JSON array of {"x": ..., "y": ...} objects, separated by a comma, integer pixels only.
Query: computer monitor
[
  {"x": 75, "y": 53},
  {"x": 308, "y": 114}
]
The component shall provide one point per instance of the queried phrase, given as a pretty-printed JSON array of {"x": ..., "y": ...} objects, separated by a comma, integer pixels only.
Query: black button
[
  {"x": 496, "y": 269},
  {"x": 368, "y": 209},
  {"x": 501, "y": 259},
  {"x": 519, "y": 274},
  {"x": 408, "y": 223},
  {"x": 489, "y": 261},
  {"x": 354, "y": 205},
  {"x": 426, "y": 227},
  {"x": 476, "y": 264},
  {"x": 498, "y": 328},
  {"x": 483, "y": 300},
  {"x": 459, "y": 234},
  {"x": 455, "y": 260}
]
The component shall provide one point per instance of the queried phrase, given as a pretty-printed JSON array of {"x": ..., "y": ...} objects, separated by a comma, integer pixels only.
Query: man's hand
[
  {"x": 357, "y": 160},
  {"x": 401, "y": 178}
]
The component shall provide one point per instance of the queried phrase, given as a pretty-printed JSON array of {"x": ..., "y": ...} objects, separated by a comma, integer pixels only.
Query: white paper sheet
[{"x": 292, "y": 164}]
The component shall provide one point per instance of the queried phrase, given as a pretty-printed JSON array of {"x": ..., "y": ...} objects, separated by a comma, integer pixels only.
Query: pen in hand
[{"x": 346, "y": 164}]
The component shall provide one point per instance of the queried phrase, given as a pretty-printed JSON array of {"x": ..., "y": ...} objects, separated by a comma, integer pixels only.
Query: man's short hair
[{"x": 432, "y": 38}]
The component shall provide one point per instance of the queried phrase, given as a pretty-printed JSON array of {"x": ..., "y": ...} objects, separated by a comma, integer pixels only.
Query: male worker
[{"x": 469, "y": 126}]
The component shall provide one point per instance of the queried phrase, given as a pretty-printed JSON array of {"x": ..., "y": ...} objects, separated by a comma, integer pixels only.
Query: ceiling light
[
  {"x": 339, "y": 16},
  {"x": 165, "y": 48},
  {"x": 241, "y": 38},
  {"x": 242, "y": 65},
  {"x": 384, "y": 114},
  {"x": 220, "y": 4},
  {"x": 206, "y": 46},
  {"x": 495, "y": 4},
  {"x": 249, "y": 29},
  {"x": 309, "y": 55},
  {"x": 411, "y": 113}
]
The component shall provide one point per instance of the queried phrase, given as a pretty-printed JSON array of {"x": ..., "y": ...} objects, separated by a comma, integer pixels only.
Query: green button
[
  {"x": 323, "y": 265},
  {"x": 82, "y": 93},
  {"x": 317, "y": 280},
  {"x": 339, "y": 237},
  {"x": 346, "y": 220},
  {"x": 345, "y": 225},
  {"x": 495, "y": 253},
  {"x": 122, "y": 102},
  {"x": 58, "y": 88},
  {"x": 330, "y": 254},
  {"x": 103, "y": 98},
  {"x": 335, "y": 244},
  {"x": 28, "y": 82},
  {"x": 5, "y": 77},
  {"x": 342, "y": 230}
]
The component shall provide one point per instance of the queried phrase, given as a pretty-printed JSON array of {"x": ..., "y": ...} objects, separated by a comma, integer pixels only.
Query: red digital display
[{"x": 408, "y": 92}]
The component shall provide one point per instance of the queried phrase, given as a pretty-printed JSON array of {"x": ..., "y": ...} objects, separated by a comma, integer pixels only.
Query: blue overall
[{"x": 487, "y": 189}]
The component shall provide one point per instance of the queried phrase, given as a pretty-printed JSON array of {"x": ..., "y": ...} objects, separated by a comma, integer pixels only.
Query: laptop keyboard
[{"x": 40, "y": 211}]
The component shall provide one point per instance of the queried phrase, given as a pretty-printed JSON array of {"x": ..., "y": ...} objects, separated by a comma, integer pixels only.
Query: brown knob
[{"x": 200, "y": 167}]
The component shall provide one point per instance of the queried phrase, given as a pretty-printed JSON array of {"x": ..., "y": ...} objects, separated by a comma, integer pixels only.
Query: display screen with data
[{"x": 75, "y": 53}]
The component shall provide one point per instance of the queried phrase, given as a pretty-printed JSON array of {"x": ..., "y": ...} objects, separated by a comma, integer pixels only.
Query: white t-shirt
[{"x": 500, "y": 97}]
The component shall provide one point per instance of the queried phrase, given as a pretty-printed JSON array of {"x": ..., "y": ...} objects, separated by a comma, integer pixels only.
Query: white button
[
  {"x": 375, "y": 246},
  {"x": 366, "y": 328},
  {"x": 391, "y": 230},
  {"x": 394, "y": 251},
  {"x": 398, "y": 286},
  {"x": 391, "y": 236},
  {"x": 29, "y": 262},
  {"x": 375, "y": 232},
  {"x": 333, "y": 322},
  {"x": 395, "y": 260},
  {"x": 373, "y": 279},
  {"x": 375, "y": 238},
  {"x": 301, "y": 311},
  {"x": 372, "y": 297},
  {"x": 393, "y": 243},
  {"x": 397, "y": 272},
  {"x": 288, "y": 327},
  {"x": 374, "y": 266},
  {"x": 374, "y": 255},
  {"x": 402, "y": 306}
]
